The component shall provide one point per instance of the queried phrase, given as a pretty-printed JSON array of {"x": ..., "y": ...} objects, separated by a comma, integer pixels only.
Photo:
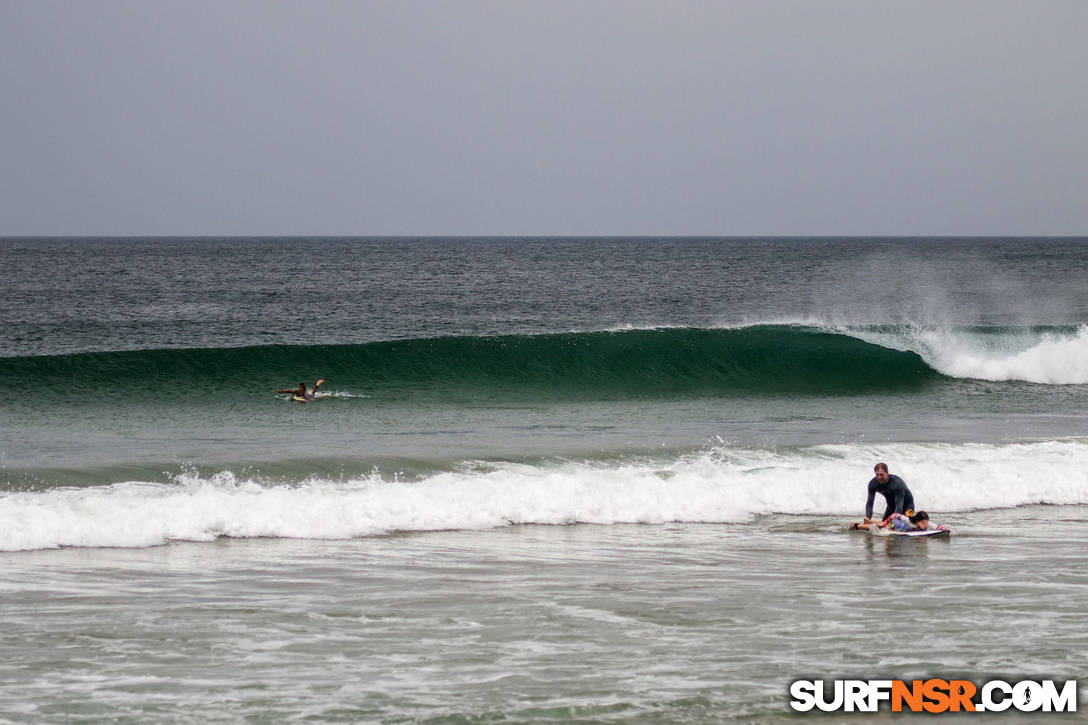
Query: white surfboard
[{"x": 928, "y": 532}]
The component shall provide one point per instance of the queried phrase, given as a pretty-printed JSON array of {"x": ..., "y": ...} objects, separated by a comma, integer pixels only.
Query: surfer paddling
[{"x": 302, "y": 392}]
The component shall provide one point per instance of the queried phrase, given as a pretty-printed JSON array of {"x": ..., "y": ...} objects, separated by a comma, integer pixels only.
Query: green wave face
[{"x": 596, "y": 365}]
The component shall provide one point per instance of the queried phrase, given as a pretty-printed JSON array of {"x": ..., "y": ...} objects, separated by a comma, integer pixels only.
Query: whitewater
[
  {"x": 1048, "y": 357},
  {"x": 720, "y": 485}
]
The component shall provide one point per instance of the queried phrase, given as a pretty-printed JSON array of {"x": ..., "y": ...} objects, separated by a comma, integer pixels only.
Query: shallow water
[{"x": 657, "y": 623}]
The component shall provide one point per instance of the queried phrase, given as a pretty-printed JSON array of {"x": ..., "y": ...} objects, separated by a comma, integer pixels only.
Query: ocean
[{"x": 589, "y": 480}]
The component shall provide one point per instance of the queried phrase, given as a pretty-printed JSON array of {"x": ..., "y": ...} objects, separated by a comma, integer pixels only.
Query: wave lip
[{"x": 719, "y": 485}]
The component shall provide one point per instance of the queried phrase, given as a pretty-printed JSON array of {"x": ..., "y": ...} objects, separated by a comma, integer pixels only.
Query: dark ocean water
[
  {"x": 732, "y": 394},
  {"x": 144, "y": 356},
  {"x": 78, "y": 295}
]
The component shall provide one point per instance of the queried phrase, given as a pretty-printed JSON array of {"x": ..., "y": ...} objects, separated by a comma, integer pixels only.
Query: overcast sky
[{"x": 631, "y": 117}]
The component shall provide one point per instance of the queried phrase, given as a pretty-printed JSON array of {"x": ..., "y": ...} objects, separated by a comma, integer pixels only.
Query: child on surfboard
[{"x": 897, "y": 522}]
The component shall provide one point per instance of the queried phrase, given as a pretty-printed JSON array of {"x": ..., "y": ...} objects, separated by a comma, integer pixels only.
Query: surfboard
[
  {"x": 299, "y": 399},
  {"x": 928, "y": 532}
]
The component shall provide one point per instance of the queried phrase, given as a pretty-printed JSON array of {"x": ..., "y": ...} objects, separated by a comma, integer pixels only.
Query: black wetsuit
[{"x": 895, "y": 493}]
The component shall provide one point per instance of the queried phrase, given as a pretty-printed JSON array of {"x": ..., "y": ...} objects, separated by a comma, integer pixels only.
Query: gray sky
[{"x": 628, "y": 117}]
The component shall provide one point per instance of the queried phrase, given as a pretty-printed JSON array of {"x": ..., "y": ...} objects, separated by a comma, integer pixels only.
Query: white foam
[
  {"x": 721, "y": 485},
  {"x": 1048, "y": 358},
  {"x": 1054, "y": 359}
]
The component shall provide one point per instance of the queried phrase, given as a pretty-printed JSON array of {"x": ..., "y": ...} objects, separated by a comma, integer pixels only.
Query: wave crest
[
  {"x": 666, "y": 362},
  {"x": 771, "y": 359}
]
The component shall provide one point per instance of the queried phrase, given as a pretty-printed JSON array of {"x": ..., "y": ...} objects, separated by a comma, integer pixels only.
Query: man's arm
[{"x": 869, "y": 501}]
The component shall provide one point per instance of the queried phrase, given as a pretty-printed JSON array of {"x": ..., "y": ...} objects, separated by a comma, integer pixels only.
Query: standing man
[{"x": 895, "y": 492}]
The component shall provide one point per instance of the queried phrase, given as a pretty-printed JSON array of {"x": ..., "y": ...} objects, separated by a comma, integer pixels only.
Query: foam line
[{"x": 720, "y": 485}]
